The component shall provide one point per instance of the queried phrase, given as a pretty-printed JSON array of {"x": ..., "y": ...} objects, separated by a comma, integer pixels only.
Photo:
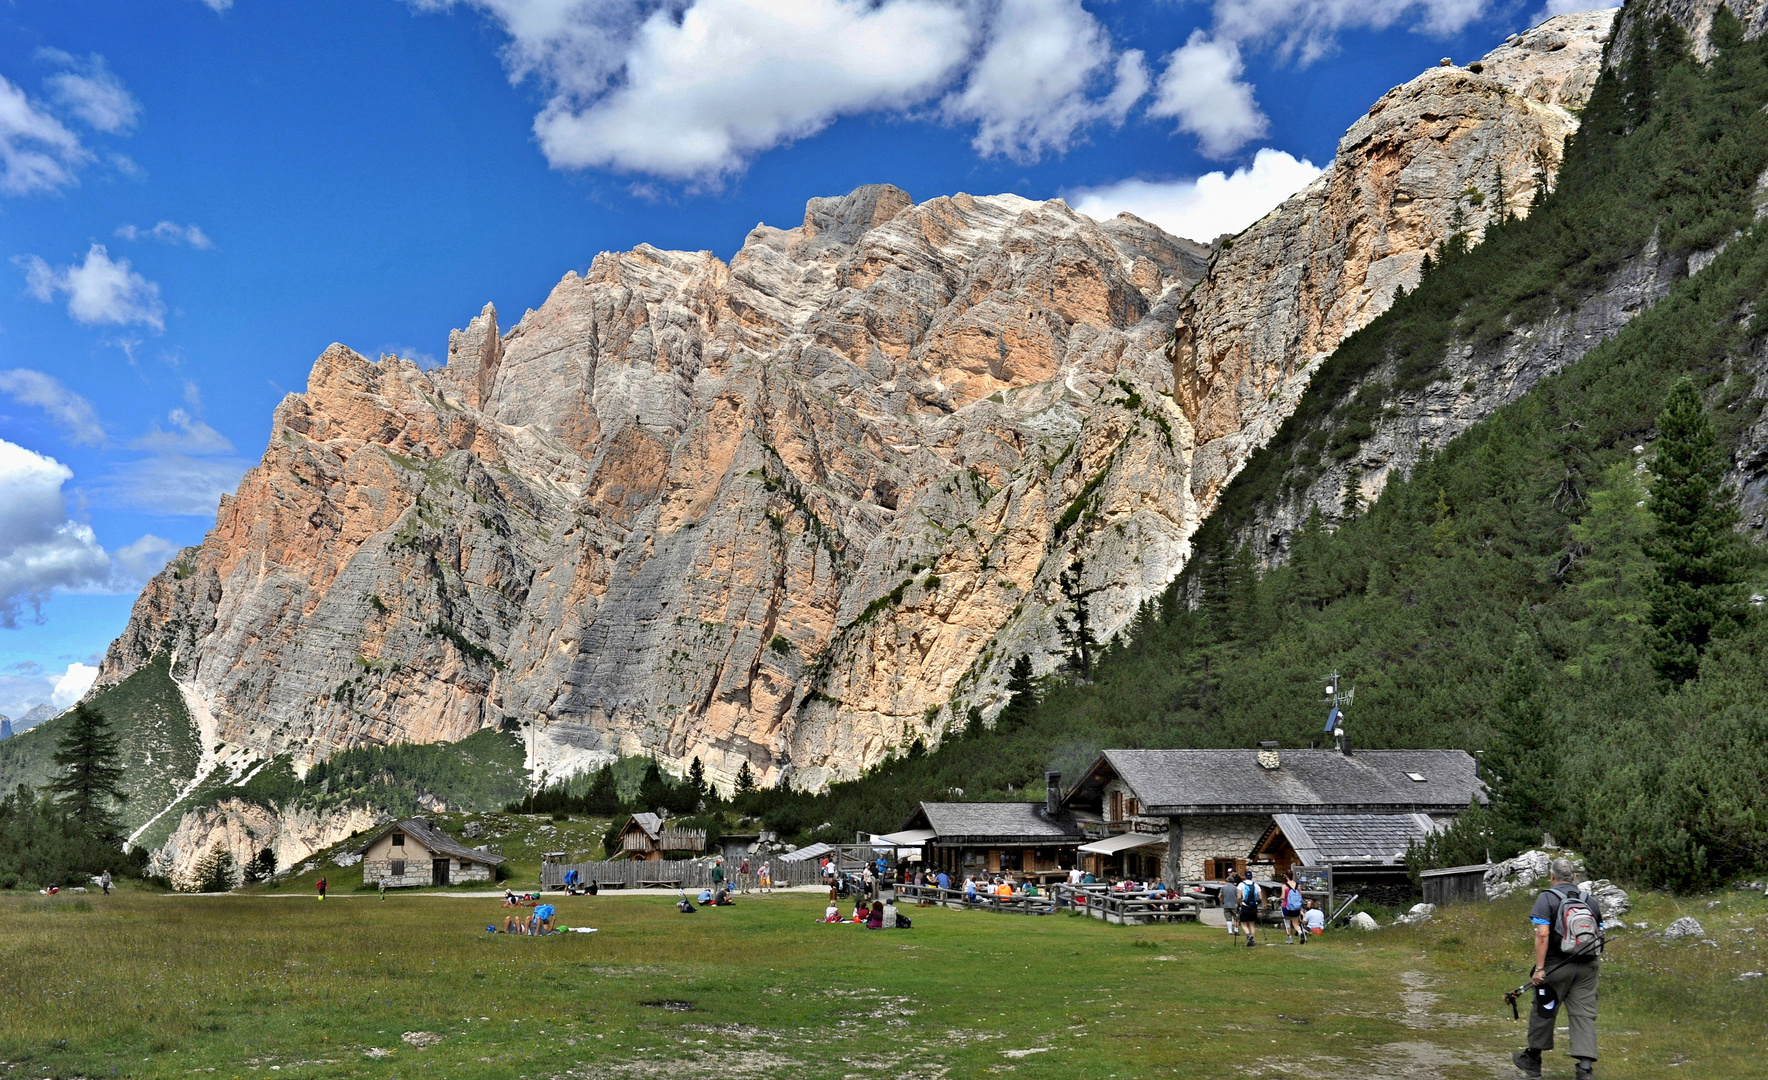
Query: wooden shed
[
  {"x": 414, "y": 852},
  {"x": 644, "y": 838},
  {"x": 1455, "y": 884}
]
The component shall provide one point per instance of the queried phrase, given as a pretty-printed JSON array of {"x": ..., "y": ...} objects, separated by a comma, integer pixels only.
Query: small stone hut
[{"x": 414, "y": 852}]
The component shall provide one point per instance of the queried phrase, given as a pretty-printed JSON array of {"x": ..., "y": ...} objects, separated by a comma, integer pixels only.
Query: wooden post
[{"x": 1173, "y": 844}]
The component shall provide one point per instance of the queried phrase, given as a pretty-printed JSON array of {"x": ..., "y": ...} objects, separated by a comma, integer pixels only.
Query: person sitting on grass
[
  {"x": 832, "y": 914},
  {"x": 514, "y": 924},
  {"x": 542, "y": 919},
  {"x": 875, "y": 918},
  {"x": 685, "y": 906},
  {"x": 509, "y": 897},
  {"x": 1313, "y": 919},
  {"x": 859, "y": 910}
]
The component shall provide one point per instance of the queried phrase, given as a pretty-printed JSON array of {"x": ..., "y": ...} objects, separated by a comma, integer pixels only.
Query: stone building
[
  {"x": 1197, "y": 814},
  {"x": 414, "y": 852}
]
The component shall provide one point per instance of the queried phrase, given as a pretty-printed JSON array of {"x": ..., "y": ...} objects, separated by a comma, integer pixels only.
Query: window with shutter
[{"x": 398, "y": 868}]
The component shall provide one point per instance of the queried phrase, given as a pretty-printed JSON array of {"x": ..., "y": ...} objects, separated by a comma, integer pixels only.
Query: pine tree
[
  {"x": 745, "y": 780},
  {"x": 94, "y": 779},
  {"x": 1075, "y": 624},
  {"x": 654, "y": 792},
  {"x": 1700, "y": 559},
  {"x": 214, "y": 872},
  {"x": 1021, "y": 696},
  {"x": 1522, "y": 759},
  {"x": 262, "y": 867},
  {"x": 1610, "y": 582},
  {"x": 1353, "y": 495},
  {"x": 604, "y": 794},
  {"x": 697, "y": 778}
]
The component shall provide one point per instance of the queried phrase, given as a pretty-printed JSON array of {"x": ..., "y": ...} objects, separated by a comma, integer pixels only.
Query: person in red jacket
[{"x": 320, "y": 885}]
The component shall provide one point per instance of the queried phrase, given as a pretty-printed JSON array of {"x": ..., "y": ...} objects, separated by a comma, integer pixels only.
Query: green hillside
[
  {"x": 160, "y": 743},
  {"x": 1513, "y": 574}
]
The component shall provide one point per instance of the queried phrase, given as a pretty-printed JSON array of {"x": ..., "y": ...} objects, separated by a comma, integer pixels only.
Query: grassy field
[{"x": 139, "y": 984}]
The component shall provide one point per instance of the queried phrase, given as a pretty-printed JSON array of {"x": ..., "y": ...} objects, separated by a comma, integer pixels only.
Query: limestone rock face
[
  {"x": 1445, "y": 151},
  {"x": 245, "y": 828},
  {"x": 776, "y": 511},
  {"x": 805, "y": 507}
]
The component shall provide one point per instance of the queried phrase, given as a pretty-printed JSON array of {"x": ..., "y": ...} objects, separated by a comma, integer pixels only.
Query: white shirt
[{"x": 1074, "y": 876}]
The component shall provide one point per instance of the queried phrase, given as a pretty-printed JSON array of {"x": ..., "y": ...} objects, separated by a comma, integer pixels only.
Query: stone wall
[{"x": 1210, "y": 837}]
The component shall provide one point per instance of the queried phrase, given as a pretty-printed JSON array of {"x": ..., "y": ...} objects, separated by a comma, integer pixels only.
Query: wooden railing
[
  {"x": 1133, "y": 907},
  {"x": 692, "y": 874}
]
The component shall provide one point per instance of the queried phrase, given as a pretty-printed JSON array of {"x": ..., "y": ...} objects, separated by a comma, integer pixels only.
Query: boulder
[
  {"x": 473, "y": 830},
  {"x": 1612, "y": 900},
  {"x": 1685, "y": 927},
  {"x": 1522, "y": 872},
  {"x": 1420, "y": 913},
  {"x": 1363, "y": 921}
]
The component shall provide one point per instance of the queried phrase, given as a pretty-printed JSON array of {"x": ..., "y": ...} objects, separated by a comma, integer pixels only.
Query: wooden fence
[{"x": 691, "y": 874}]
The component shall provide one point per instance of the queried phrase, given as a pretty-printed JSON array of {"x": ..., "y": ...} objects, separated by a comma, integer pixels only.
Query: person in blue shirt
[{"x": 944, "y": 879}]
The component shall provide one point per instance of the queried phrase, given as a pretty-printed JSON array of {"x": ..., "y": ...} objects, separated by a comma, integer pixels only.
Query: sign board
[{"x": 1314, "y": 879}]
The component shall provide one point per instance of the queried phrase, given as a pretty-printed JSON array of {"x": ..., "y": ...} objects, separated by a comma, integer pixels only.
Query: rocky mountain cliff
[{"x": 801, "y": 509}]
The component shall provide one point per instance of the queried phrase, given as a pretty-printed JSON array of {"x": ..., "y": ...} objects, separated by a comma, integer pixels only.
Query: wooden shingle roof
[
  {"x": 1353, "y": 839},
  {"x": 1194, "y": 782},
  {"x": 992, "y": 822}
]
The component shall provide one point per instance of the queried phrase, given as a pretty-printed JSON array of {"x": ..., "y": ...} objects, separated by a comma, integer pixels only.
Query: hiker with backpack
[
  {"x": 1249, "y": 905},
  {"x": 1568, "y": 943},
  {"x": 1231, "y": 903},
  {"x": 1293, "y": 902}
]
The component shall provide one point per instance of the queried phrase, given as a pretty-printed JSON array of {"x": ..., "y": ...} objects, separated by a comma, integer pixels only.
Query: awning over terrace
[
  {"x": 1111, "y": 845},
  {"x": 907, "y": 838}
]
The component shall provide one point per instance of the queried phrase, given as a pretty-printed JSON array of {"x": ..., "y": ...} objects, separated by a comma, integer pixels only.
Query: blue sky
[{"x": 197, "y": 196}]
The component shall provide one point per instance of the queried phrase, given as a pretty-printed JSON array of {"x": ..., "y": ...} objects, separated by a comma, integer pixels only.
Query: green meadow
[{"x": 152, "y": 985}]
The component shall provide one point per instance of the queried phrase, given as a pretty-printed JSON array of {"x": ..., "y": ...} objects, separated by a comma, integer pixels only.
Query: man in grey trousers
[{"x": 1572, "y": 980}]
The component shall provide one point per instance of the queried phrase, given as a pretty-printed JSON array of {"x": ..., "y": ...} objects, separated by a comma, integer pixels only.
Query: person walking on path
[
  {"x": 743, "y": 875},
  {"x": 1568, "y": 939},
  {"x": 1293, "y": 903},
  {"x": 320, "y": 885},
  {"x": 1249, "y": 901},
  {"x": 1231, "y": 903},
  {"x": 104, "y": 882},
  {"x": 717, "y": 875},
  {"x": 766, "y": 882}
]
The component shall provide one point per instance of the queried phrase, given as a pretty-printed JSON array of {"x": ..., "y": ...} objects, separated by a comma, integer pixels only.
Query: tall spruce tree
[
  {"x": 93, "y": 782},
  {"x": 1700, "y": 559},
  {"x": 1021, "y": 696},
  {"x": 745, "y": 780},
  {"x": 604, "y": 793},
  {"x": 1075, "y": 623},
  {"x": 1522, "y": 760}
]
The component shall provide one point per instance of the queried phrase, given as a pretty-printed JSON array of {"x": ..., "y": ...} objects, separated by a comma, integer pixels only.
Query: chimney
[
  {"x": 1052, "y": 792},
  {"x": 1267, "y": 756},
  {"x": 1344, "y": 743}
]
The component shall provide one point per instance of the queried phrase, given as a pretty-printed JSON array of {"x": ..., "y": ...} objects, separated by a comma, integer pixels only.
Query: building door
[{"x": 438, "y": 871}]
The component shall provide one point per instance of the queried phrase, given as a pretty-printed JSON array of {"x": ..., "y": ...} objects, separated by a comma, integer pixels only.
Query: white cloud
[
  {"x": 1204, "y": 208},
  {"x": 91, "y": 92},
  {"x": 169, "y": 232},
  {"x": 692, "y": 89},
  {"x": 173, "y": 484},
  {"x": 188, "y": 436},
  {"x": 219, "y": 5},
  {"x": 73, "y": 413},
  {"x": 1558, "y": 7},
  {"x": 72, "y": 686},
  {"x": 37, "y": 152},
  {"x": 40, "y": 549},
  {"x": 703, "y": 92},
  {"x": 1307, "y": 29},
  {"x": 1201, "y": 87},
  {"x": 100, "y": 290},
  {"x": 134, "y": 564},
  {"x": 1030, "y": 91}
]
